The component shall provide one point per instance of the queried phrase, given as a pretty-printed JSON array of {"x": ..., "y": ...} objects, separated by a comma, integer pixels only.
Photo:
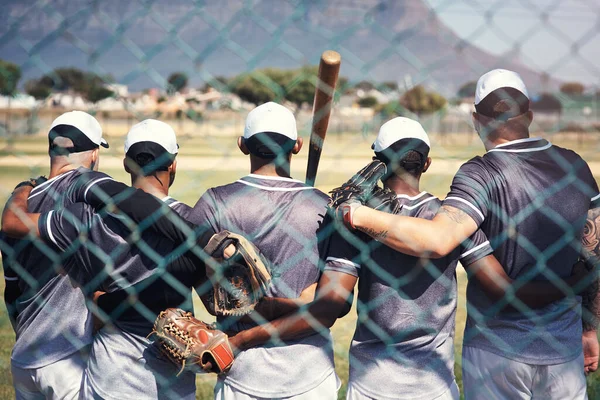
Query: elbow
[
  {"x": 440, "y": 248},
  {"x": 9, "y": 224},
  {"x": 324, "y": 324},
  {"x": 324, "y": 318}
]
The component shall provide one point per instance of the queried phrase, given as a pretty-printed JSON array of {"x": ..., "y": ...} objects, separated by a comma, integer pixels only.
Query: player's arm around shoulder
[
  {"x": 17, "y": 222},
  {"x": 331, "y": 299},
  {"x": 415, "y": 236},
  {"x": 591, "y": 297}
]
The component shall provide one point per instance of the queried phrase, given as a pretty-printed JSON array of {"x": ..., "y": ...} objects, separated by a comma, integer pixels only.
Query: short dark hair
[
  {"x": 148, "y": 164},
  {"x": 411, "y": 162},
  {"x": 269, "y": 145}
]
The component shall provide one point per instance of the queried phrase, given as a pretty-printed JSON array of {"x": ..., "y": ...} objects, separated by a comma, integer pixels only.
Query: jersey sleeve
[
  {"x": 144, "y": 210},
  {"x": 61, "y": 228},
  {"x": 206, "y": 212},
  {"x": 342, "y": 253},
  {"x": 474, "y": 248},
  {"x": 470, "y": 191},
  {"x": 10, "y": 275},
  {"x": 69, "y": 231},
  {"x": 595, "y": 200}
]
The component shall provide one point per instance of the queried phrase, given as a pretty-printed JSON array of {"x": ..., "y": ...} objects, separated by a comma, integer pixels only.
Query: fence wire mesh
[{"x": 95, "y": 261}]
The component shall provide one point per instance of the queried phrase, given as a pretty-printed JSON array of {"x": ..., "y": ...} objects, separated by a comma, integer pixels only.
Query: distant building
[
  {"x": 21, "y": 100},
  {"x": 118, "y": 89},
  {"x": 68, "y": 100}
]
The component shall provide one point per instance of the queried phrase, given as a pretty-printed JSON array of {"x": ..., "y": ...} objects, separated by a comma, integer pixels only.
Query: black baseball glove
[
  {"x": 362, "y": 190},
  {"x": 33, "y": 182},
  {"x": 360, "y": 187},
  {"x": 384, "y": 199}
]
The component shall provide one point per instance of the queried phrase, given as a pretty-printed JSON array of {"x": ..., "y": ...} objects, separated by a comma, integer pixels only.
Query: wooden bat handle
[{"x": 329, "y": 68}]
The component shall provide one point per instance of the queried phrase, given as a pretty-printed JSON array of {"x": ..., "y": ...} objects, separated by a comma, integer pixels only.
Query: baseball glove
[
  {"x": 241, "y": 280},
  {"x": 33, "y": 182},
  {"x": 360, "y": 187},
  {"x": 192, "y": 344},
  {"x": 384, "y": 199}
]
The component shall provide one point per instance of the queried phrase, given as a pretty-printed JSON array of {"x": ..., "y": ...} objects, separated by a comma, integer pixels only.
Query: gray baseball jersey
[
  {"x": 123, "y": 363},
  {"x": 281, "y": 217},
  {"x": 403, "y": 347},
  {"x": 531, "y": 199},
  {"x": 53, "y": 320}
]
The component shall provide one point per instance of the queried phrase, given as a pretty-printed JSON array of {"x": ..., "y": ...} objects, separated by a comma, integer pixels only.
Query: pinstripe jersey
[
  {"x": 531, "y": 199},
  {"x": 403, "y": 347}
]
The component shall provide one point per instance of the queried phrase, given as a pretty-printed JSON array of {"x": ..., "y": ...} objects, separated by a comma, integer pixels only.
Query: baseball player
[
  {"x": 530, "y": 198},
  {"x": 50, "y": 352},
  {"x": 280, "y": 215},
  {"x": 406, "y": 305},
  {"x": 122, "y": 362}
]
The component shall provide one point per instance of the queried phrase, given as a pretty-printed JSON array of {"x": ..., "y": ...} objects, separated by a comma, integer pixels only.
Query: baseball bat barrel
[{"x": 329, "y": 68}]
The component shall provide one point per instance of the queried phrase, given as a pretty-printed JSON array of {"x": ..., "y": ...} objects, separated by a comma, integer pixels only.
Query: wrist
[
  {"x": 357, "y": 216},
  {"x": 591, "y": 331},
  {"x": 237, "y": 343}
]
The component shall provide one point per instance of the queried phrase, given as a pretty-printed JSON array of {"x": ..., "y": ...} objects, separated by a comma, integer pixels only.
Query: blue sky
[{"x": 561, "y": 37}]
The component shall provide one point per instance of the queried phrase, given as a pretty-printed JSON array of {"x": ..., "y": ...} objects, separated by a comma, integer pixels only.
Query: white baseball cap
[
  {"x": 271, "y": 118},
  {"x": 152, "y": 131},
  {"x": 82, "y": 128},
  {"x": 398, "y": 129},
  {"x": 497, "y": 79},
  {"x": 501, "y": 95}
]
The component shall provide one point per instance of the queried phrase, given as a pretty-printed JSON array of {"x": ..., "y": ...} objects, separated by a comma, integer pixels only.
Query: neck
[
  {"x": 260, "y": 166},
  {"x": 501, "y": 136},
  {"x": 156, "y": 185},
  {"x": 59, "y": 169},
  {"x": 405, "y": 184}
]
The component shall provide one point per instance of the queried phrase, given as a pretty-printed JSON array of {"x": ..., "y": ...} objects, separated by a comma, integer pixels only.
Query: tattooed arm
[
  {"x": 591, "y": 297},
  {"x": 417, "y": 236},
  {"x": 591, "y": 253}
]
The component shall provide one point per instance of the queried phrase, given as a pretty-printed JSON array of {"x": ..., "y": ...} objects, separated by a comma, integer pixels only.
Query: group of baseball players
[{"x": 89, "y": 262}]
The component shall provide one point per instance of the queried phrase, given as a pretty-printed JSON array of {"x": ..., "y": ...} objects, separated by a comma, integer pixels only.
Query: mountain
[{"x": 141, "y": 42}]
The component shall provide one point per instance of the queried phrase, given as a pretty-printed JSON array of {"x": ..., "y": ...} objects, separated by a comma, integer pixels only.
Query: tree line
[{"x": 257, "y": 87}]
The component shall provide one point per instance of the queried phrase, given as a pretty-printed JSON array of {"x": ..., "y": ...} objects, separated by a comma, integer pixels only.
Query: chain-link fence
[{"x": 384, "y": 303}]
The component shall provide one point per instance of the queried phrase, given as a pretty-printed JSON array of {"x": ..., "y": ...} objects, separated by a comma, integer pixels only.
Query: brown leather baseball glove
[
  {"x": 192, "y": 344},
  {"x": 240, "y": 280}
]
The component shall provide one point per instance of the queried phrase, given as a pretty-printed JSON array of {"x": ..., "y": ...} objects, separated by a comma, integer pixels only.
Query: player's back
[
  {"x": 122, "y": 362},
  {"x": 53, "y": 320},
  {"x": 535, "y": 201},
  {"x": 406, "y": 309},
  {"x": 281, "y": 217}
]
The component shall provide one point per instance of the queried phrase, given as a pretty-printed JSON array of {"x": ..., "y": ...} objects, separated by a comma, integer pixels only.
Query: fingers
[
  {"x": 207, "y": 366},
  {"x": 97, "y": 294},
  {"x": 229, "y": 251},
  {"x": 590, "y": 365}
]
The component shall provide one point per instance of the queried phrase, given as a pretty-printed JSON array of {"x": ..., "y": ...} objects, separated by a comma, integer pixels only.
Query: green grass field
[{"x": 24, "y": 158}]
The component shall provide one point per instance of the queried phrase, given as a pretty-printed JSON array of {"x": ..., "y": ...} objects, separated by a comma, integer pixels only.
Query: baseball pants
[
  {"x": 354, "y": 393},
  {"x": 325, "y": 390},
  {"x": 490, "y": 376},
  {"x": 59, "y": 380}
]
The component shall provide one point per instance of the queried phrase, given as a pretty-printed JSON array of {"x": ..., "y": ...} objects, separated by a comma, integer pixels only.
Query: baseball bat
[{"x": 329, "y": 68}]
